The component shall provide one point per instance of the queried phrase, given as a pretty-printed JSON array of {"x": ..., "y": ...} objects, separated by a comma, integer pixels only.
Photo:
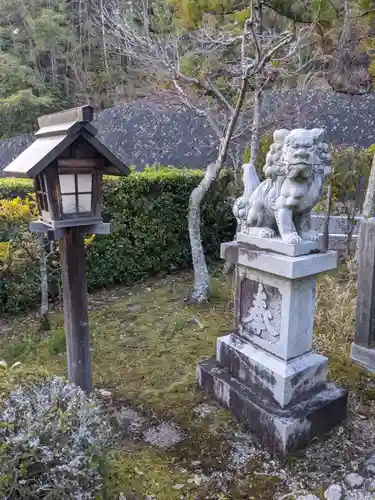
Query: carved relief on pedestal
[{"x": 260, "y": 314}]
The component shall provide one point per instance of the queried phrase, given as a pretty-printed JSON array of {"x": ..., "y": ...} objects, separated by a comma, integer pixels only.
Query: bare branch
[
  {"x": 363, "y": 14},
  {"x": 208, "y": 86},
  {"x": 200, "y": 112},
  {"x": 252, "y": 69}
]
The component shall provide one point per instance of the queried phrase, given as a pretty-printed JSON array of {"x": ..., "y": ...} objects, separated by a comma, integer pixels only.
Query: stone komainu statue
[{"x": 296, "y": 165}]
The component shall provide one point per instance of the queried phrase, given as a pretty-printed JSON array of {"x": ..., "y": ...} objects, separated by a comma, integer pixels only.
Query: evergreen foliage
[
  {"x": 59, "y": 53},
  {"x": 147, "y": 212}
]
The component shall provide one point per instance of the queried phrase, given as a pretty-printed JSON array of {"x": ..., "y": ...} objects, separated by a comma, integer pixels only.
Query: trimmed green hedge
[
  {"x": 148, "y": 213},
  {"x": 148, "y": 216},
  {"x": 11, "y": 188}
]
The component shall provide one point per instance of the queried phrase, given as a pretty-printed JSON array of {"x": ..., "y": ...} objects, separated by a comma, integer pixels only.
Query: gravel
[
  {"x": 163, "y": 435},
  {"x": 353, "y": 480},
  {"x": 334, "y": 492}
]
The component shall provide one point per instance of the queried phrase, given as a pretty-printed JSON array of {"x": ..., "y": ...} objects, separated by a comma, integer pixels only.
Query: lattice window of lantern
[
  {"x": 76, "y": 193},
  {"x": 41, "y": 190}
]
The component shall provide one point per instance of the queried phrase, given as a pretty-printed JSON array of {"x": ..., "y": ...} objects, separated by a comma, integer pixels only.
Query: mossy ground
[{"x": 145, "y": 345}]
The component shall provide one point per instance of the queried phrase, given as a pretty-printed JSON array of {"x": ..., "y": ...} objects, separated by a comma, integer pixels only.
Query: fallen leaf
[
  {"x": 178, "y": 486},
  {"x": 104, "y": 393},
  {"x": 197, "y": 480}
]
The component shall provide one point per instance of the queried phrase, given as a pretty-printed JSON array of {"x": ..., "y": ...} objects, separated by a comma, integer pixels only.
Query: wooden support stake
[
  {"x": 363, "y": 347},
  {"x": 76, "y": 308},
  {"x": 365, "y": 324}
]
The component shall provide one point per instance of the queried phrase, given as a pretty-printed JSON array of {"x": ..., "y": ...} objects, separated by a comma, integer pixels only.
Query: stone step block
[
  {"x": 276, "y": 244},
  {"x": 282, "y": 382},
  {"x": 282, "y": 430},
  {"x": 280, "y": 265}
]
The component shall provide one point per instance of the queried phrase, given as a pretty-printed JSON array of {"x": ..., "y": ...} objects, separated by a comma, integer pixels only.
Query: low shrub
[
  {"x": 148, "y": 214},
  {"x": 53, "y": 440},
  {"x": 19, "y": 255},
  {"x": 4, "y": 249},
  {"x": 350, "y": 176},
  {"x": 13, "y": 188},
  {"x": 351, "y": 171}
]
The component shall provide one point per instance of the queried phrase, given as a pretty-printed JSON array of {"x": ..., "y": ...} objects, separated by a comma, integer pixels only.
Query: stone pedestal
[
  {"x": 363, "y": 347},
  {"x": 265, "y": 371}
]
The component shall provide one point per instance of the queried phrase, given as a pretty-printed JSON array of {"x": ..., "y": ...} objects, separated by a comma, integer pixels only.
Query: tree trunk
[
  {"x": 201, "y": 275},
  {"x": 249, "y": 169},
  {"x": 53, "y": 67},
  {"x": 200, "y": 292},
  {"x": 345, "y": 37},
  {"x": 327, "y": 216},
  {"x": 103, "y": 37},
  {"x": 43, "y": 283},
  {"x": 80, "y": 32}
]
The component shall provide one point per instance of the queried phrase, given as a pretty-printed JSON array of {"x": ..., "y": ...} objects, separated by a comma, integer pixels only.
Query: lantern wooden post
[
  {"x": 73, "y": 273},
  {"x": 67, "y": 163}
]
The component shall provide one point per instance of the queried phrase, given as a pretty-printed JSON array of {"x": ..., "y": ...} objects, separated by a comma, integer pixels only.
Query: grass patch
[
  {"x": 57, "y": 342},
  {"x": 334, "y": 332},
  {"x": 18, "y": 348},
  {"x": 335, "y": 314},
  {"x": 143, "y": 472},
  {"x": 145, "y": 344}
]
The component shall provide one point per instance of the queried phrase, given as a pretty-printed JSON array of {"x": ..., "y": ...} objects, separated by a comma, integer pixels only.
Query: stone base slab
[
  {"x": 363, "y": 356},
  {"x": 280, "y": 265},
  {"x": 276, "y": 244},
  {"x": 282, "y": 430},
  {"x": 283, "y": 382}
]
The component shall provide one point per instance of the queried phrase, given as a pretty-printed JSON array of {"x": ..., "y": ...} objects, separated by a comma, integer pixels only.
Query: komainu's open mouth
[{"x": 299, "y": 170}]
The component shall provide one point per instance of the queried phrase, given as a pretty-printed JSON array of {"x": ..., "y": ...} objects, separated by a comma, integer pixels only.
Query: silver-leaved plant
[{"x": 52, "y": 442}]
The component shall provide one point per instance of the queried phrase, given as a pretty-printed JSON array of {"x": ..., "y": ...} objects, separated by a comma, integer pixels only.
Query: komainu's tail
[{"x": 251, "y": 182}]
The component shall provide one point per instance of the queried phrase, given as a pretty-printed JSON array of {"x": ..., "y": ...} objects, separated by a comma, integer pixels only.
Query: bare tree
[
  {"x": 44, "y": 306},
  {"x": 104, "y": 42},
  {"x": 327, "y": 215},
  {"x": 245, "y": 59}
]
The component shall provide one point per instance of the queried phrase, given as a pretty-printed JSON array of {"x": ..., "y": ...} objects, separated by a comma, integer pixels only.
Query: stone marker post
[
  {"x": 265, "y": 371},
  {"x": 363, "y": 347}
]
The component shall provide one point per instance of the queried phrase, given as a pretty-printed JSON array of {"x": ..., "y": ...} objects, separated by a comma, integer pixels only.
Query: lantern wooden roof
[{"x": 57, "y": 133}]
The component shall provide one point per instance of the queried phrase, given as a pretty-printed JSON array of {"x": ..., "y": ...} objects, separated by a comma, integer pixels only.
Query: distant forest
[{"x": 59, "y": 53}]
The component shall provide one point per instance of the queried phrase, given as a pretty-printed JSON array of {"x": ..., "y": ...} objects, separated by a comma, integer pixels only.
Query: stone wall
[{"x": 338, "y": 231}]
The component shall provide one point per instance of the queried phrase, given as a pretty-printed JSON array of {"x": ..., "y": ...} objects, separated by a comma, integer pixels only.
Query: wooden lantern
[{"x": 67, "y": 163}]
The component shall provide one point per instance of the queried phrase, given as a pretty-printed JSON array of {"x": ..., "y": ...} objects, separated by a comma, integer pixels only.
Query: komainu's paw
[
  {"x": 265, "y": 232},
  {"x": 260, "y": 232},
  {"x": 241, "y": 208},
  {"x": 292, "y": 238},
  {"x": 310, "y": 235}
]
